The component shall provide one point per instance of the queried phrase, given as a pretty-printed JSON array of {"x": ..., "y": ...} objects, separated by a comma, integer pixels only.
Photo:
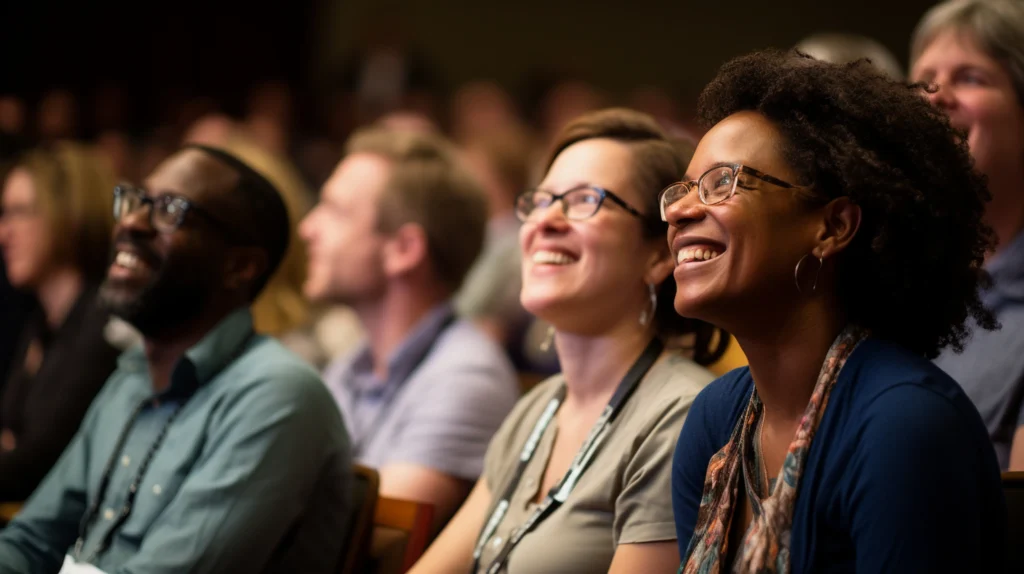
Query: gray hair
[
  {"x": 996, "y": 25},
  {"x": 845, "y": 48}
]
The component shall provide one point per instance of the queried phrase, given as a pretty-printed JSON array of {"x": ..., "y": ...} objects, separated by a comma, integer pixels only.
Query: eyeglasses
[
  {"x": 167, "y": 212},
  {"x": 714, "y": 186},
  {"x": 580, "y": 202}
]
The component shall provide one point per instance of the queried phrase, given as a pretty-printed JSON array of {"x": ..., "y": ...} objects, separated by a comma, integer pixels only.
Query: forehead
[
  {"x": 745, "y": 137},
  {"x": 951, "y": 47},
  {"x": 192, "y": 174},
  {"x": 18, "y": 188},
  {"x": 360, "y": 176},
  {"x": 601, "y": 162}
]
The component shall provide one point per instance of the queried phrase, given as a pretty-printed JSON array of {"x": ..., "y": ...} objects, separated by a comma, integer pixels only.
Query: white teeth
[
  {"x": 128, "y": 260},
  {"x": 697, "y": 254},
  {"x": 552, "y": 258}
]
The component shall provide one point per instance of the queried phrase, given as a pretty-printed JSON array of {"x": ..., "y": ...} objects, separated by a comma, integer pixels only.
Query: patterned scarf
[{"x": 765, "y": 547}]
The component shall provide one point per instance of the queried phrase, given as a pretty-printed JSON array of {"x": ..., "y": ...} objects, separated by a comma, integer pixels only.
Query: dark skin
[
  {"x": 208, "y": 184},
  {"x": 762, "y": 232}
]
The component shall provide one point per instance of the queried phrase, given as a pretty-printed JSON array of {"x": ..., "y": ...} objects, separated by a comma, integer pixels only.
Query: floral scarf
[{"x": 765, "y": 546}]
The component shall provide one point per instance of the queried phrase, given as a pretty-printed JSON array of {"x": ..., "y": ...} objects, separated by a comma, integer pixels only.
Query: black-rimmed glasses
[
  {"x": 714, "y": 186},
  {"x": 167, "y": 211},
  {"x": 580, "y": 202}
]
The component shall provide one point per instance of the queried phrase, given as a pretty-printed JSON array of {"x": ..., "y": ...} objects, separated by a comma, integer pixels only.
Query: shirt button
[
  {"x": 126, "y": 460},
  {"x": 157, "y": 489},
  {"x": 497, "y": 542},
  {"x": 108, "y": 514}
]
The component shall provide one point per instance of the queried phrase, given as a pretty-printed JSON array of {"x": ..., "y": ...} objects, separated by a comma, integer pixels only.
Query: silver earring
[
  {"x": 545, "y": 345},
  {"x": 645, "y": 316},
  {"x": 796, "y": 272}
]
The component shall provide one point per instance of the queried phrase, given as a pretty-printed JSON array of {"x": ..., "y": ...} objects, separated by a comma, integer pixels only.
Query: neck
[
  {"x": 165, "y": 348},
  {"x": 389, "y": 319},
  {"x": 593, "y": 366},
  {"x": 1005, "y": 213},
  {"x": 58, "y": 293},
  {"x": 786, "y": 359}
]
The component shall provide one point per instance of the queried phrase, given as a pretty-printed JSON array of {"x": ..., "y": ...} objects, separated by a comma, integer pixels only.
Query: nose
[
  {"x": 138, "y": 220},
  {"x": 550, "y": 217},
  {"x": 306, "y": 225},
  {"x": 943, "y": 96},
  {"x": 687, "y": 210}
]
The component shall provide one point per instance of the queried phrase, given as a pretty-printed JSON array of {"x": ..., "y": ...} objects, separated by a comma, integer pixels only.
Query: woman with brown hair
[
  {"x": 577, "y": 478},
  {"x": 55, "y": 227}
]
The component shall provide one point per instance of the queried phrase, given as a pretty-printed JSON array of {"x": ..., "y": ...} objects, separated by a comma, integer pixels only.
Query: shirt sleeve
[
  {"x": 264, "y": 457},
  {"x": 914, "y": 449},
  {"x": 641, "y": 514},
  {"x": 450, "y": 432},
  {"x": 36, "y": 541}
]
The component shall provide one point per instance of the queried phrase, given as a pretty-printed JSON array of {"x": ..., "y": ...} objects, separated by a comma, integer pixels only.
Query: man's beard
[{"x": 176, "y": 293}]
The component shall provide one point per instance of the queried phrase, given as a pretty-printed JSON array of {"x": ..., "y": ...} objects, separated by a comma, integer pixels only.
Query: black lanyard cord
[{"x": 557, "y": 495}]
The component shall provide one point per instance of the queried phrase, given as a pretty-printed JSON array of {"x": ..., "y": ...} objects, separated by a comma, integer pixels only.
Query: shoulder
[
  {"x": 466, "y": 357},
  {"x": 267, "y": 369},
  {"x": 879, "y": 375},
  {"x": 666, "y": 393}
]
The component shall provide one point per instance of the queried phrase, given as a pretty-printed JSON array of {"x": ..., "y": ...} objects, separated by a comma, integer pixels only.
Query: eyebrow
[{"x": 688, "y": 177}]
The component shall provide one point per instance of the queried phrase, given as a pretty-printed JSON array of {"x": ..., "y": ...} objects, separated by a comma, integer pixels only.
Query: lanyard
[
  {"x": 360, "y": 442},
  {"x": 558, "y": 494},
  {"x": 94, "y": 509}
]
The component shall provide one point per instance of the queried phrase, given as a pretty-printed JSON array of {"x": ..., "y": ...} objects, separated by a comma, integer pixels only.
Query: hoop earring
[
  {"x": 796, "y": 272},
  {"x": 549, "y": 339},
  {"x": 645, "y": 316}
]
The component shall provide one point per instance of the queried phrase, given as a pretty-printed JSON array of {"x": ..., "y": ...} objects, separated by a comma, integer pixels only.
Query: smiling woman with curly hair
[{"x": 831, "y": 220}]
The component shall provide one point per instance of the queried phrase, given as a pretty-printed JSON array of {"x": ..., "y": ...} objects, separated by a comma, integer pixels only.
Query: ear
[
  {"x": 243, "y": 265},
  {"x": 659, "y": 263},
  {"x": 839, "y": 225},
  {"x": 405, "y": 249}
]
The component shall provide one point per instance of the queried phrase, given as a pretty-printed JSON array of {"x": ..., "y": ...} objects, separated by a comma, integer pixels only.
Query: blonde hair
[
  {"x": 281, "y": 307},
  {"x": 74, "y": 188},
  {"x": 429, "y": 186}
]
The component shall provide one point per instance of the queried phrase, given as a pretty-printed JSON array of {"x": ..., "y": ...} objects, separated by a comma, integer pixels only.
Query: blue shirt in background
[
  {"x": 991, "y": 368},
  {"x": 900, "y": 476}
]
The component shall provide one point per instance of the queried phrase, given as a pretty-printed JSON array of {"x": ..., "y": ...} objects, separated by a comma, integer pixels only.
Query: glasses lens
[
  {"x": 168, "y": 213},
  {"x": 529, "y": 201},
  {"x": 126, "y": 199},
  {"x": 582, "y": 203},
  {"x": 670, "y": 195},
  {"x": 717, "y": 185}
]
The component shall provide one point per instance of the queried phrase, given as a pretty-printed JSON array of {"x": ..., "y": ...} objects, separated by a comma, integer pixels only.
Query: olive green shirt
[
  {"x": 625, "y": 495},
  {"x": 252, "y": 476}
]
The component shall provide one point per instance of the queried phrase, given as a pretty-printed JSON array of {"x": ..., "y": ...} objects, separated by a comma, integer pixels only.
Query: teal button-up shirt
[{"x": 253, "y": 475}]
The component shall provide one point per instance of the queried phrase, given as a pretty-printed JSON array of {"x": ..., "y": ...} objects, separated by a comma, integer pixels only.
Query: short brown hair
[
  {"x": 74, "y": 191},
  {"x": 658, "y": 162},
  {"x": 429, "y": 186}
]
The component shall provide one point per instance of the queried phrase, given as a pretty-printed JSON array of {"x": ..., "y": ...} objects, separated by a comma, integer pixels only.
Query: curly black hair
[{"x": 912, "y": 273}]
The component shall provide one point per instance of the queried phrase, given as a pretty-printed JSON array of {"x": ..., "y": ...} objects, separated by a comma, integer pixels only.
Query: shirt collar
[
  {"x": 1007, "y": 271},
  {"x": 406, "y": 357},
  {"x": 202, "y": 361}
]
